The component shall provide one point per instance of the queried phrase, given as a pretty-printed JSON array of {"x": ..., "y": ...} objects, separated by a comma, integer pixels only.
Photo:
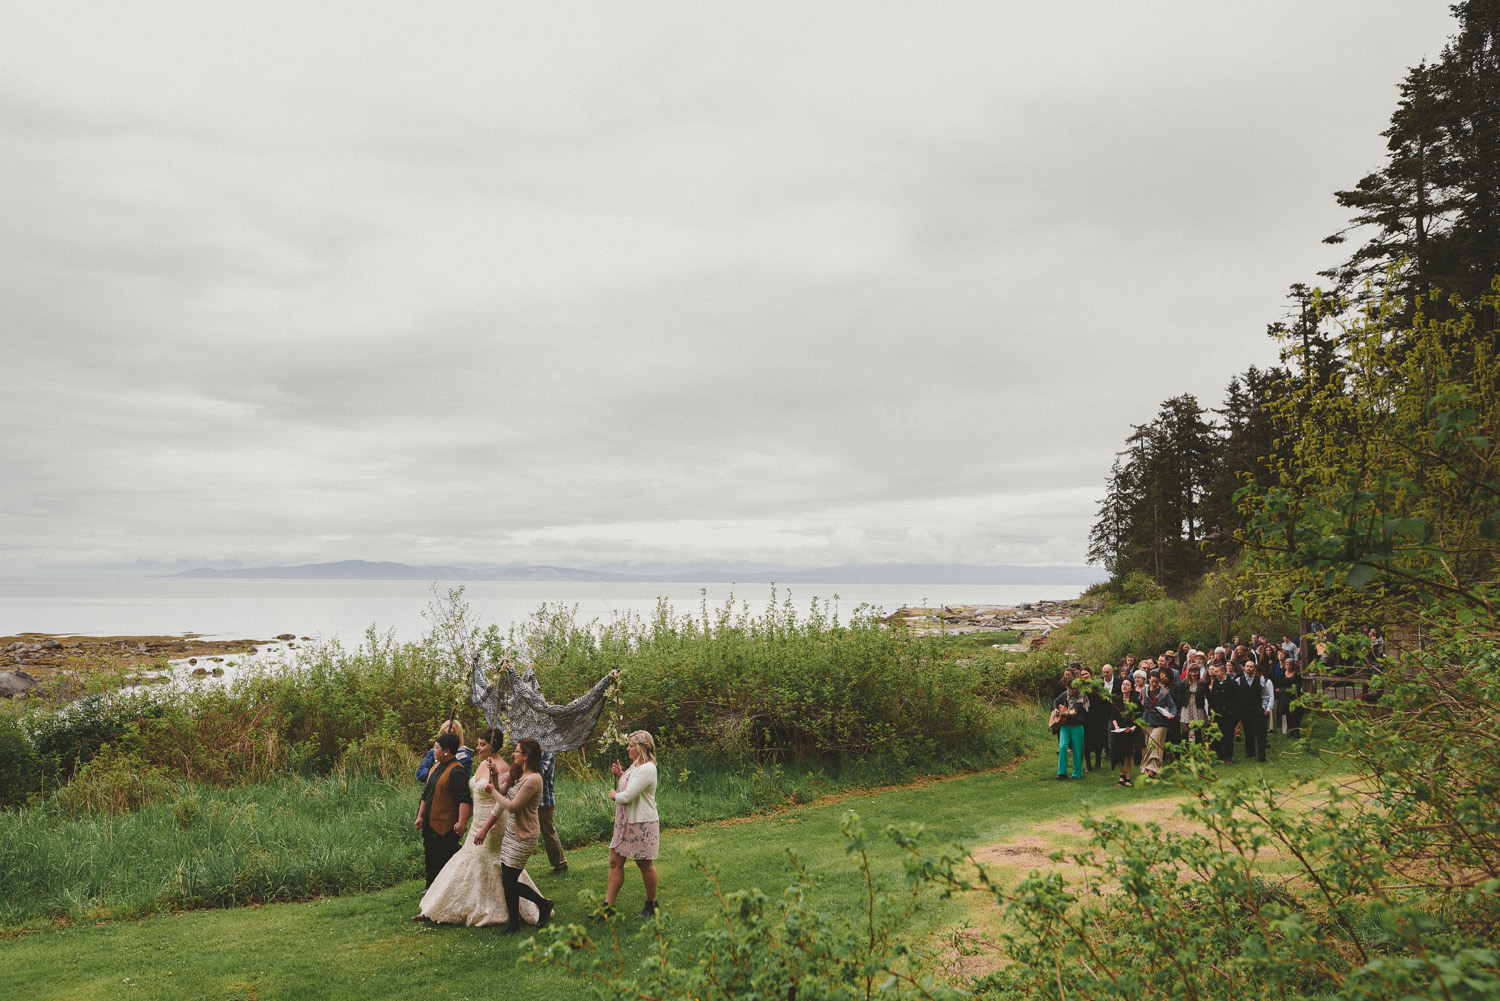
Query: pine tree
[
  {"x": 1435, "y": 205},
  {"x": 1151, "y": 518}
]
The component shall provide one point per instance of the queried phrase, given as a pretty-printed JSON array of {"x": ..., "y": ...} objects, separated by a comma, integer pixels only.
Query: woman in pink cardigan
[{"x": 637, "y": 828}]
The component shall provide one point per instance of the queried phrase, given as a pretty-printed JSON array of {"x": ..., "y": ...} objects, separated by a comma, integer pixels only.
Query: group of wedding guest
[
  {"x": 1137, "y": 713},
  {"x": 483, "y": 880}
]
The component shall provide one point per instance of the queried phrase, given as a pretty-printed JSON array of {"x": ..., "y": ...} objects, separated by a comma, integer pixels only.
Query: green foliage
[
  {"x": 1152, "y": 516},
  {"x": 111, "y": 782},
  {"x": 67, "y": 738},
  {"x": 775, "y": 685},
  {"x": 1205, "y": 618},
  {"x": 755, "y": 946},
  {"x": 87, "y": 853},
  {"x": 19, "y": 766},
  {"x": 329, "y": 697},
  {"x": 1396, "y": 482},
  {"x": 1036, "y": 674}
]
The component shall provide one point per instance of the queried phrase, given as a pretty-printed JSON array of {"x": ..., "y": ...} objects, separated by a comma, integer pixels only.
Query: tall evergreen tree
[
  {"x": 1256, "y": 446},
  {"x": 1151, "y": 518},
  {"x": 1436, "y": 202}
]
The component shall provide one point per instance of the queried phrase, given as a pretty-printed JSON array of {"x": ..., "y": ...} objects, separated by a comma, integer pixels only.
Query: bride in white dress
[{"x": 469, "y": 890}]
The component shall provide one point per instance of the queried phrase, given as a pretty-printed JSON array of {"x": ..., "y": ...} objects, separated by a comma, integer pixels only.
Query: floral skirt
[{"x": 635, "y": 840}]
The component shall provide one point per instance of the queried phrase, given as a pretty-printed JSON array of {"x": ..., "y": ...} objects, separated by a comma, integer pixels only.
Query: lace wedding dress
[{"x": 468, "y": 891}]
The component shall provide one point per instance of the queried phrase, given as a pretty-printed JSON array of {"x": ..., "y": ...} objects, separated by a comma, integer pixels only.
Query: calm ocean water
[{"x": 344, "y": 609}]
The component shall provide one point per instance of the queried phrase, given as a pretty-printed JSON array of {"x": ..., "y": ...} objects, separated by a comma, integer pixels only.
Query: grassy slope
[{"x": 363, "y": 947}]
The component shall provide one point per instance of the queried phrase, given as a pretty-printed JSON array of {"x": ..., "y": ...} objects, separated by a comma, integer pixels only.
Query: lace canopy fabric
[{"x": 556, "y": 728}]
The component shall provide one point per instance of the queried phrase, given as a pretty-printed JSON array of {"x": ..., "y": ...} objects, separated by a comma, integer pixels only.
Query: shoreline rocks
[
  {"x": 53, "y": 666},
  {"x": 1034, "y": 620},
  {"x": 15, "y": 683}
]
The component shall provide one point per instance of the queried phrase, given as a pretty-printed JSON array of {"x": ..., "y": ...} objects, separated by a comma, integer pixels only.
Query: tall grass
[
  {"x": 784, "y": 687},
  {"x": 207, "y": 847},
  {"x": 187, "y": 845}
]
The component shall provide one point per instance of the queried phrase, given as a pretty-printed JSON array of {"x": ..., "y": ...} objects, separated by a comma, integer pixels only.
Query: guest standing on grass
[
  {"x": 1110, "y": 680},
  {"x": 1290, "y": 692},
  {"x": 1095, "y": 722},
  {"x": 545, "y": 812},
  {"x": 1072, "y": 709},
  {"x": 1159, "y": 711},
  {"x": 637, "y": 833},
  {"x": 1191, "y": 696},
  {"x": 443, "y": 812},
  {"x": 521, "y": 830},
  {"x": 1259, "y": 701},
  {"x": 1125, "y": 737},
  {"x": 1223, "y": 710}
]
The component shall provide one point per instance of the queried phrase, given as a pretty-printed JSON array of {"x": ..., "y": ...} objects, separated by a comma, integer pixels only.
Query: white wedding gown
[{"x": 468, "y": 891}]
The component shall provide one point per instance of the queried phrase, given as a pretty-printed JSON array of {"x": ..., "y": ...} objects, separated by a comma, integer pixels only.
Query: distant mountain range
[{"x": 852, "y": 573}]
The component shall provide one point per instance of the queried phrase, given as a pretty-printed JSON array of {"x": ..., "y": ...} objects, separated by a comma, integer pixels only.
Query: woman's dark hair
[
  {"x": 493, "y": 736},
  {"x": 448, "y": 741},
  {"x": 532, "y": 752}
]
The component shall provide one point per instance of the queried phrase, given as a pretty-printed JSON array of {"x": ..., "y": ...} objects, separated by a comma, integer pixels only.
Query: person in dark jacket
[
  {"x": 1126, "y": 739},
  {"x": 1224, "y": 709},
  {"x": 1290, "y": 691},
  {"x": 1257, "y": 702},
  {"x": 444, "y": 809},
  {"x": 1095, "y": 722},
  {"x": 1110, "y": 680}
]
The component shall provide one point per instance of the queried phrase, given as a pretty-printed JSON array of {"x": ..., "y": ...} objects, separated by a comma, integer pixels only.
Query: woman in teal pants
[{"x": 1073, "y": 706}]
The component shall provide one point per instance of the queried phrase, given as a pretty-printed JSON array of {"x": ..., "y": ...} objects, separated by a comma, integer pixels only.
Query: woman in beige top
[{"x": 522, "y": 826}]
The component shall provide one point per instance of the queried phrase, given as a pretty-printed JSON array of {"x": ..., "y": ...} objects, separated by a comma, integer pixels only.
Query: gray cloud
[{"x": 802, "y": 283}]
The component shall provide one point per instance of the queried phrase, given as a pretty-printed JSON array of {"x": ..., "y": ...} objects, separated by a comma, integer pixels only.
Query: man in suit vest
[{"x": 443, "y": 814}]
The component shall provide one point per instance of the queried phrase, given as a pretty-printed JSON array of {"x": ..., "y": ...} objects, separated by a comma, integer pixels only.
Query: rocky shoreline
[
  {"x": 61, "y": 663},
  {"x": 1034, "y": 620}
]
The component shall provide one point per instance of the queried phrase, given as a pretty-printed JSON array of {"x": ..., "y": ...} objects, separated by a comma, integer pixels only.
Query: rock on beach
[{"x": 1035, "y": 621}]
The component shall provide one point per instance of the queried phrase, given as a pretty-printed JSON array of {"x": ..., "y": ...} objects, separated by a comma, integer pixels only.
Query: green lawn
[{"x": 363, "y": 947}]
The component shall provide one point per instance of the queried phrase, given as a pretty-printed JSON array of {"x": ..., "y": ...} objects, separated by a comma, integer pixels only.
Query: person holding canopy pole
[{"x": 555, "y": 728}]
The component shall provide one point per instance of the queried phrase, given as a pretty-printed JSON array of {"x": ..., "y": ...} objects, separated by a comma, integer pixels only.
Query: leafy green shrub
[
  {"x": 1036, "y": 674},
  {"x": 113, "y": 781},
  {"x": 773, "y": 685},
  {"x": 20, "y": 774},
  {"x": 71, "y": 736},
  {"x": 328, "y": 697},
  {"x": 380, "y": 752},
  {"x": 759, "y": 946}
]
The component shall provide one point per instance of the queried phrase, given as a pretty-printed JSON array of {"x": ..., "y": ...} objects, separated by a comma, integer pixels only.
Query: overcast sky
[{"x": 801, "y": 283}]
